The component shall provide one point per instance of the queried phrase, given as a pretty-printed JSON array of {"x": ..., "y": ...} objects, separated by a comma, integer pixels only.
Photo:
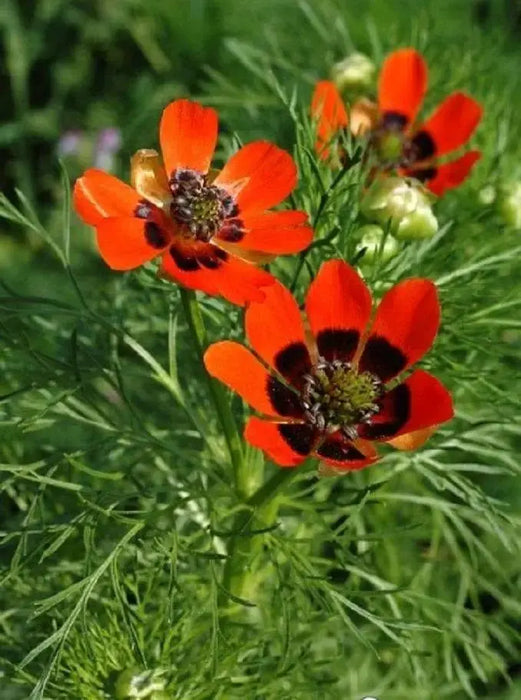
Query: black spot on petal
[
  {"x": 220, "y": 254},
  {"x": 382, "y": 358},
  {"x": 292, "y": 362},
  {"x": 231, "y": 231},
  {"x": 423, "y": 145},
  {"x": 339, "y": 450},
  {"x": 394, "y": 121},
  {"x": 284, "y": 401},
  {"x": 300, "y": 437},
  {"x": 334, "y": 344},
  {"x": 211, "y": 262},
  {"x": 155, "y": 236},
  {"x": 395, "y": 409},
  {"x": 187, "y": 263}
]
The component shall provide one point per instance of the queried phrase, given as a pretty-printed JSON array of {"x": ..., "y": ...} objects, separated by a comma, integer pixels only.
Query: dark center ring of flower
[
  {"x": 395, "y": 148},
  {"x": 336, "y": 396},
  {"x": 201, "y": 207}
]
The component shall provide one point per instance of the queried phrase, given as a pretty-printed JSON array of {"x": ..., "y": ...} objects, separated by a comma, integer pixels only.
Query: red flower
[
  {"x": 208, "y": 227},
  {"x": 332, "y": 392},
  {"x": 400, "y": 144}
]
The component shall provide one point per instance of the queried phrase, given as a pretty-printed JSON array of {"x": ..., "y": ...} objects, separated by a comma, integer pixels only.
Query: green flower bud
[
  {"x": 509, "y": 204},
  {"x": 420, "y": 224},
  {"x": 133, "y": 683},
  {"x": 375, "y": 244},
  {"x": 402, "y": 204},
  {"x": 354, "y": 73},
  {"x": 487, "y": 195}
]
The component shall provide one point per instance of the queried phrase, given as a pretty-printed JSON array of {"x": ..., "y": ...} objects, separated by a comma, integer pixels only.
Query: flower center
[
  {"x": 336, "y": 396},
  {"x": 201, "y": 207},
  {"x": 390, "y": 147}
]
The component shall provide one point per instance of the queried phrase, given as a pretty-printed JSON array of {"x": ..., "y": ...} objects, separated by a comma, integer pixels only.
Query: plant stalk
[
  {"x": 241, "y": 579},
  {"x": 197, "y": 329}
]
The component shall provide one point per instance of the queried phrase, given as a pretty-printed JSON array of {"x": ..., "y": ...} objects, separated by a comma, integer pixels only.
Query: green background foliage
[{"x": 117, "y": 506}]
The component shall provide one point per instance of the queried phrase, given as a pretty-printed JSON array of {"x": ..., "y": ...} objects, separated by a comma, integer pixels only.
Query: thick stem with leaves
[
  {"x": 260, "y": 512},
  {"x": 260, "y": 507}
]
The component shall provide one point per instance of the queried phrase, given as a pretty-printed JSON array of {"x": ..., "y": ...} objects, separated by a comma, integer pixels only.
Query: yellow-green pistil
[
  {"x": 336, "y": 396},
  {"x": 390, "y": 147}
]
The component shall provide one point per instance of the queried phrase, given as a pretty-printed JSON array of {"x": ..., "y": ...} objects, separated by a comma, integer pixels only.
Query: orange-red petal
[
  {"x": 412, "y": 441},
  {"x": 216, "y": 273},
  {"x": 279, "y": 233},
  {"x": 98, "y": 195},
  {"x": 338, "y": 306},
  {"x": 327, "y": 107},
  {"x": 402, "y": 83},
  {"x": 275, "y": 330},
  {"x": 274, "y": 439},
  {"x": 452, "y": 174},
  {"x": 418, "y": 403},
  {"x": 453, "y": 122},
  {"x": 125, "y": 242},
  {"x": 188, "y": 135},
  {"x": 235, "y": 366},
  {"x": 405, "y": 326},
  {"x": 260, "y": 175}
]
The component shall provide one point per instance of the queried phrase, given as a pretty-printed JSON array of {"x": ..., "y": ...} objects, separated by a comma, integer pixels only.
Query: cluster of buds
[{"x": 401, "y": 205}]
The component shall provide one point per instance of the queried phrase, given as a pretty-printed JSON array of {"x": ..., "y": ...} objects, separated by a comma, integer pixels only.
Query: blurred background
[{"x": 85, "y": 81}]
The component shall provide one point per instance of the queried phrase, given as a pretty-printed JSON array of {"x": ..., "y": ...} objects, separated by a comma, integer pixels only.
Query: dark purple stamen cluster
[
  {"x": 335, "y": 396},
  {"x": 201, "y": 207},
  {"x": 396, "y": 148}
]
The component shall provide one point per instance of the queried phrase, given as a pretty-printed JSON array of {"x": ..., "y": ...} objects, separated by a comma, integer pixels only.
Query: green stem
[
  {"x": 240, "y": 577},
  {"x": 271, "y": 487},
  {"x": 195, "y": 322}
]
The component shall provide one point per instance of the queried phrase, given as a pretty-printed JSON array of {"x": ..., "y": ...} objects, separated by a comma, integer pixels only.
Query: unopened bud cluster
[{"x": 402, "y": 205}]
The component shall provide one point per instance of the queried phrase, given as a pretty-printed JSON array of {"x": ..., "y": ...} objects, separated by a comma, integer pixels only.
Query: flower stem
[
  {"x": 197, "y": 329},
  {"x": 271, "y": 487},
  {"x": 241, "y": 579}
]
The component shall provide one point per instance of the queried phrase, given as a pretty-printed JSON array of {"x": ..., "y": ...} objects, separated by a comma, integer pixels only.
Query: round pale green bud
[
  {"x": 354, "y": 73},
  {"x": 509, "y": 204},
  {"x": 134, "y": 683},
  {"x": 375, "y": 244},
  {"x": 487, "y": 195},
  {"x": 389, "y": 198},
  {"x": 402, "y": 204},
  {"x": 420, "y": 224}
]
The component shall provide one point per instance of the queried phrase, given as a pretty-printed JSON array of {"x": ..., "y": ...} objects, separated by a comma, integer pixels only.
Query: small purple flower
[
  {"x": 109, "y": 139},
  {"x": 70, "y": 142},
  {"x": 107, "y": 145}
]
